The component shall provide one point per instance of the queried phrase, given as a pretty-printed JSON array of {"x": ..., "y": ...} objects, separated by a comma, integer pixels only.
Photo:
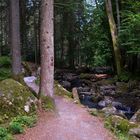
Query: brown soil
[{"x": 69, "y": 122}]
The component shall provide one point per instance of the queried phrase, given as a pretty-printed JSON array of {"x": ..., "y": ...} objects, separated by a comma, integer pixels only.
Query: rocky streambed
[{"x": 102, "y": 92}]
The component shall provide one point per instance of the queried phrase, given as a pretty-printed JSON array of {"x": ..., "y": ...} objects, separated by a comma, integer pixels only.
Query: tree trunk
[
  {"x": 118, "y": 15},
  {"x": 47, "y": 48},
  {"x": 114, "y": 36},
  {"x": 15, "y": 37}
]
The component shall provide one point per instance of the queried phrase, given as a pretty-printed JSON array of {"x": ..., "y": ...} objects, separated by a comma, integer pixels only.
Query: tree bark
[
  {"x": 47, "y": 48},
  {"x": 118, "y": 14},
  {"x": 15, "y": 37},
  {"x": 114, "y": 36}
]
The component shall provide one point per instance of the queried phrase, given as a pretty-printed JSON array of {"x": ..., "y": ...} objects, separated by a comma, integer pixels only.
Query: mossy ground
[
  {"x": 119, "y": 126},
  {"x": 59, "y": 90},
  {"x": 14, "y": 98},
  {"x": 48, "y": 103}
]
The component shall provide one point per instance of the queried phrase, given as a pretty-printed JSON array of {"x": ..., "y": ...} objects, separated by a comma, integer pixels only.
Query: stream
[{"x": 87, "y": 93}]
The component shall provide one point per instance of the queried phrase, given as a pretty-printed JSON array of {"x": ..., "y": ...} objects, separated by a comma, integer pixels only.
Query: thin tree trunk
[
  {"x": 118, "y": 14},
  {"x": 15, "y": 38},
  {"x": 47, "y": 48},
  {"x": 113, "y": 31}
]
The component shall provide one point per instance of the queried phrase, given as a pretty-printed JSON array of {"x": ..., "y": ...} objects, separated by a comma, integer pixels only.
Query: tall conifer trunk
[
  {"x": 47, "y": 48},
  {"x": 15, "y": 38}
]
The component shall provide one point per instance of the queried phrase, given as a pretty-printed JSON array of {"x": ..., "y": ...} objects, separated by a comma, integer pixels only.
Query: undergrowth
[{"x": 17, "y": 126}]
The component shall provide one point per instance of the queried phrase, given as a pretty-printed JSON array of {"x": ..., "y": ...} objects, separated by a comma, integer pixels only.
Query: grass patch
[{"x": 19, "y": 123}]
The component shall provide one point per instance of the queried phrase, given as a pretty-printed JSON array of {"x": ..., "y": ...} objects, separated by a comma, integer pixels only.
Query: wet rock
[
  {"x": 29, "y": 79},
  {"x": 101, "y": 70},
  {"x": 136, "y": 117},
  {"x": 107, "y": 90},
  {"x": 107, "y": 101},
  {"x": 66, "y": 84},
  {"x": 109, "y": 111},
  {"x": 69, "y": 76},
  {"x": 85, "y": 89},
  {"x": 135, "y": 132},
  {"x": 96, "y": 98}
]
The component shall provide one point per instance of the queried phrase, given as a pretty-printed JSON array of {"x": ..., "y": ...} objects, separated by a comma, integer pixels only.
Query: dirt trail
[{"x": 71, "y": 122}]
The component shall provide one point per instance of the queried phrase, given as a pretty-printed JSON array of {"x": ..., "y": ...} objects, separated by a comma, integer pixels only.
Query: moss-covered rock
[
  {"x": 117, "y": 123},
  {"x": 106, "y": 82},
  {"x": 15, "y": 99},
  {"x": 59, "y": 90}
]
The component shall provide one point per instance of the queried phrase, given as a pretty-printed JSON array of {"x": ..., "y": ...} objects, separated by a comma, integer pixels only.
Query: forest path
[{"x": 69, "y": 122}]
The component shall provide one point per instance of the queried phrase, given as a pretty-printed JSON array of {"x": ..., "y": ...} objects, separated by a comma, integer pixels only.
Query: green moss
[
  {"x": 123, "y": 77},
  {"x": 48, "y": 103},
  {"x": 119, "y": 126},
  {"x": 94, "y": 112},
  {"x": 59, "y": 90},
  {"x": 85, "y": 76},
  {"x": 14, "y": 98}
]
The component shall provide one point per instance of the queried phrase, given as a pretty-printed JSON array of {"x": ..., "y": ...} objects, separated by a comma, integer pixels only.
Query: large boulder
[{"x": 15, "y": 99}]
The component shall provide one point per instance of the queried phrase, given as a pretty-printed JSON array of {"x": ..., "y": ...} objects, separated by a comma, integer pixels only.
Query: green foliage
[
  {"x": 119, "y": 127},
  {"x": 16, "y": 128},
  {"x": 18, "y": 123},
  {"x": 130, "y": 28},
  {"x": 4, "y": 135},
  {"x": 48, "y": 103},
  {"x": 5, "y": 73},
  {"x": 28, "y": 121},
  {"x": 5, "y": 61},
  {"x": 96, "y": 45},
  {"x": 123, "y": 77}
]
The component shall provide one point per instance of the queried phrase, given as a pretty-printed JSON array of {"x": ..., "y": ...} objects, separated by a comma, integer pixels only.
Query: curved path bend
[{"x": 69, "y": 122}]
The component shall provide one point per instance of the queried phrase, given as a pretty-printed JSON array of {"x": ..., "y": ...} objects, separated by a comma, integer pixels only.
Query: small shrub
[
  {"x": 28, "y": 121},
  {"x": 123, "y": 77},
  {"x": 4, "y": 135},
  {"x": 119, "y": 126},
  {"x": 16, "y": 128}
]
